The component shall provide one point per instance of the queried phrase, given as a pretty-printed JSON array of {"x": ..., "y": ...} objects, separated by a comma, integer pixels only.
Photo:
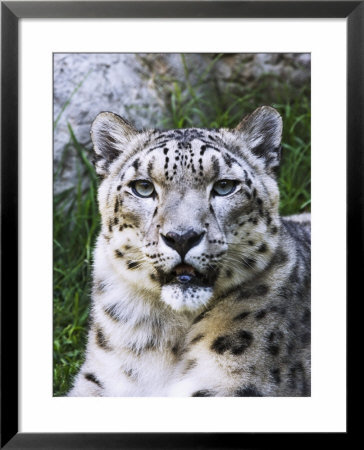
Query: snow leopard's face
[{"x": 186, "y": 213}]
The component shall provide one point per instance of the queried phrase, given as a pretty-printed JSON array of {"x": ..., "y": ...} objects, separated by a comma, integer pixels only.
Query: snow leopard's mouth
[{"x": 186, "y": 275}]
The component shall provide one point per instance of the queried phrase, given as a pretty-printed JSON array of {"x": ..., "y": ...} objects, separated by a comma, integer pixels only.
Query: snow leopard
[{"x": 200, "y": 287}]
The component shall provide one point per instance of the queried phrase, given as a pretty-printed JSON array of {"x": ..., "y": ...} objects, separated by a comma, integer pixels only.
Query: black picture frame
[{"x": 11, "y": 12}]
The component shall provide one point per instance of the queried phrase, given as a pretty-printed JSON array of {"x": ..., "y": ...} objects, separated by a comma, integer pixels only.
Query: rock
[{"x": 141, "y": 87}]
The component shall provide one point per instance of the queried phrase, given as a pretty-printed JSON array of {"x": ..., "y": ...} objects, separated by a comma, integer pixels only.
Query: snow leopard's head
[{"x": 188, "y": 212}]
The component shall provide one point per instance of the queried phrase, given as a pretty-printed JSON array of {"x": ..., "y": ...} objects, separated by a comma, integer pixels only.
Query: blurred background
[{"x": 155, "y": 91}]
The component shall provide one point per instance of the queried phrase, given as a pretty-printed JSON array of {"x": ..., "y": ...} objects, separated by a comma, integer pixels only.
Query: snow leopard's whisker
[
  {"x": 241, "y": 252},
  {"x": 137, "y": 257},
  {"x": 136, "y": 248},
  {"x": 242, "y": 262},
  {"x": 239, "y": 256}
]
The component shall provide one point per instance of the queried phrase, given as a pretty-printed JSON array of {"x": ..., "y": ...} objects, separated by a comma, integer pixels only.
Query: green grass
[
  {"x": 76, "y": 220},
  {"x": 203, "y": 105},
  {"x": 75, "y": 226}
]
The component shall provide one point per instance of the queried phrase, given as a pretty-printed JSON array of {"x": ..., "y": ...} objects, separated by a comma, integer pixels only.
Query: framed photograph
[{"x": 185, "y": 102}]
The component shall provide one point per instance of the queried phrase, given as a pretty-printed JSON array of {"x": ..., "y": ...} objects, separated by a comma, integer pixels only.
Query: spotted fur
[{"x": 196, "y": 291}]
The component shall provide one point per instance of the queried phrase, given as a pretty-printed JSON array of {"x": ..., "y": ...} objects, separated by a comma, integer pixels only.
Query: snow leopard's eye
[
  {"x": 224, "y": 187},
  {"x": 143, "y": 188}
]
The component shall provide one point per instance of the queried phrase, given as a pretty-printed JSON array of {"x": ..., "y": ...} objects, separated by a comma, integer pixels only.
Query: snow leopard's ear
[
  {"x": 262, "y": 130},
  {"x": 110, "y": 135}
]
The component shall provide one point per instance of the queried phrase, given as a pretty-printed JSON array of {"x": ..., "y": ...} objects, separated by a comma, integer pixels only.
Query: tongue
[{"x": 184, "y": 273}]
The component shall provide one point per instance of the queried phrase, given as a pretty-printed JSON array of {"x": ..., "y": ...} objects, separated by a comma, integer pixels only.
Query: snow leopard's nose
[{"x": 182, "y": 243}]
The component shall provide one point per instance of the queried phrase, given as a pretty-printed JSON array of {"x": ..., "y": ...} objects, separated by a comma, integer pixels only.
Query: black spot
[
  {"x": 153, "y": 277},
  {"x": 132, "y": 264},
  {"x": 236, "y": 343},
  {"x": 150, "y": 168},
  {"x": 281, "y": 257},
  {"x": 291, "y": 347},
  {"x": 306, "y": 338},
  {"x": 262, "y": 289},
  {"x": 244, "y": 340},
  {"x": 276, "y": 375},
  {"x": 285, "y": 293},
  {"x": 101, "y": 340},
  {"x": 262, "y": 248},
  {"x": 175, "y": 349},
  {"x": 118, "y": 188},
  {"x": 118, "y": 254},
  {"x": 112, "y": 312},
  {"x": 274, "y": 339},
  {"x": 190, "y": 364},
  {"x": 229, "y": 273},
  {"x": 140, "y": 349},
  {"x": 293, "y": 277},
  {"x": 136, "y": 164},
  {"x": 150, "y": 344},
  {"x": 221, "y": 344},
  {"x": 297, "y": 379},
  {"x": 244, "y": 294},
  {"x": 292, "y": 325},
  {"x": 197, "y": 338},
  {"x": 100, "y": 287},
  {"x": 273, "y": 349},
  {"x": 278, "y": 309},
  {"x": 199, "y": 317},
  {"x": 292, "y": 375},
  {"x": 248, "y": 391},
  {"x": 130, "y": 373},
  {"x": 116, "y": 207},
  {"x": 91, "y": 377},
  {"x": 260, "y": 314},
  {"x": 165, "y": 150},
  {"x": 306, "y": 317},
  {"x": 203, "y": 393},
  {"x": 242, "y": 315},
  {"x": 155, "y": 212}
]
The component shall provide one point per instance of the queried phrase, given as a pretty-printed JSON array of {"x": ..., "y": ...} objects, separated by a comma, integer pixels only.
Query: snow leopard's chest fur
[{"x": 200, "y": 288}]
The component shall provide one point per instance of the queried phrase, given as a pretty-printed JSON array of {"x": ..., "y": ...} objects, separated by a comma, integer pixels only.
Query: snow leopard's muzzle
[{"x": 185, "y": 273}]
